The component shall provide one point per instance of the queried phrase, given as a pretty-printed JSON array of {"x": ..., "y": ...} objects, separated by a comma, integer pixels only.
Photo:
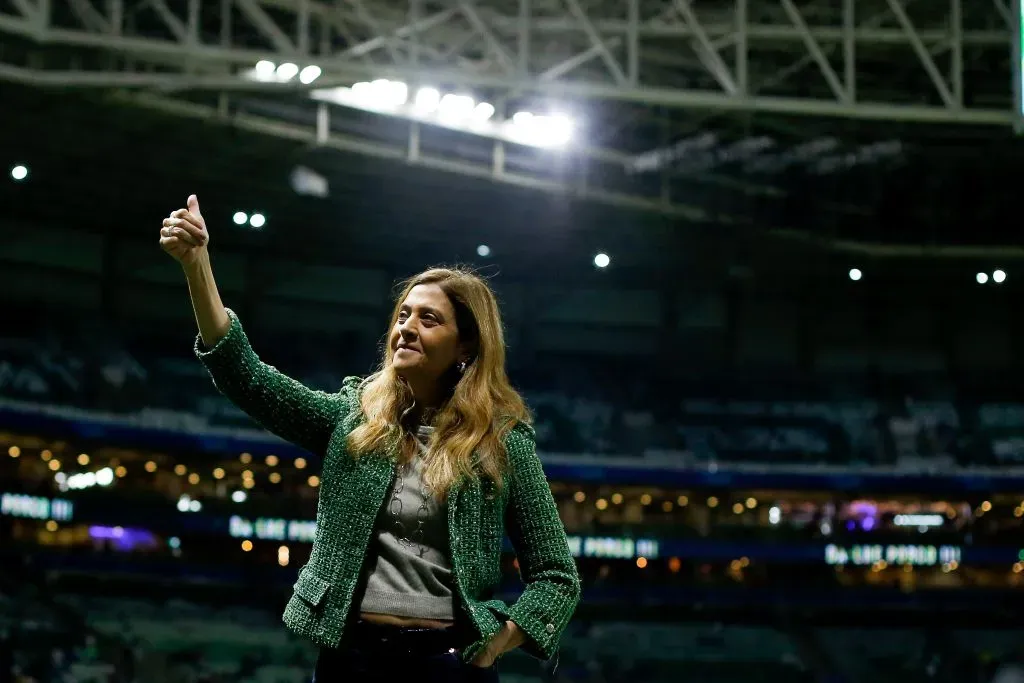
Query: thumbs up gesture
[{"x": 184, "y": 235}]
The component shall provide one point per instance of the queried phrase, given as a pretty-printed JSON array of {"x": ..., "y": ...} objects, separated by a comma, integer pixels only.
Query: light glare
[
  {"x": 265, "y": 70},
  {"x": 456, "y": 106},
  {"x": 19, "y": 172},
  {"x": 309, "y": 74},
  {"x": 483, "y": 111},
  {"x": 602, "y": 260},
  {"x": 257, "y": 220},
  {"x": 855, "y": 274},
  {"x": 240, "y": 218},
  {"x": 287, "y": 71},
  {"x": 998, "y": 276},
  {"x": 982, "y": 278},
  {"x": 427, "y": 100},
  {"x": 543, "y": 131}
]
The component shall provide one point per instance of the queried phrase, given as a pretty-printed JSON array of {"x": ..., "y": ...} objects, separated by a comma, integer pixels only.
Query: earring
[{"x": 461, "y": 367}]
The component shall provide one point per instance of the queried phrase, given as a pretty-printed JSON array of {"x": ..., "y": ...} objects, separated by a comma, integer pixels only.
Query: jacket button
[{"x": 550, "y": 628}]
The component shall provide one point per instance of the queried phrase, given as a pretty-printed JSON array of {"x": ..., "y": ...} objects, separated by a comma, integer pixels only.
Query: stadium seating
[{"x": 576, "y": 411}]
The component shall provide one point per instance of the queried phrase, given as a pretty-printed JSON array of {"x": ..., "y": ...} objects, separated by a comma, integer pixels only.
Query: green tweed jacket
[{"x": 353, "y": 490}]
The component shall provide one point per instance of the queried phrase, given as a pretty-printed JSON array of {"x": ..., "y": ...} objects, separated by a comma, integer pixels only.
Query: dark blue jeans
[{"x": 385, "y": 655}]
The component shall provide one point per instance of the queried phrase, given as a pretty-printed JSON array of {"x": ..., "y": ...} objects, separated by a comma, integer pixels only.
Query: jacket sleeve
[
  {"x": 538, "y": 537},
  {"x": 279, "y": 404}
]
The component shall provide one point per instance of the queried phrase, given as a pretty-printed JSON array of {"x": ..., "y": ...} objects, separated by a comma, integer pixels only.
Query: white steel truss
[
  {"x": 620, "y": 62},
  {"x": 731, "y": 54}
]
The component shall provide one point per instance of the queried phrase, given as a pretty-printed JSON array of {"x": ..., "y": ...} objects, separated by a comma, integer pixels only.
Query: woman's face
[{"x": 425, "y": 339}]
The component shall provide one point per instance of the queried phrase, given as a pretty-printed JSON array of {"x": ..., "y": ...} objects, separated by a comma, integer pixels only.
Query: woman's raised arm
[{"x": 277, "y": 402}]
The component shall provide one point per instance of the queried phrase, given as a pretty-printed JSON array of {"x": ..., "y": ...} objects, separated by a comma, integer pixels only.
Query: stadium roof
[{"x": 808, "y": 124}]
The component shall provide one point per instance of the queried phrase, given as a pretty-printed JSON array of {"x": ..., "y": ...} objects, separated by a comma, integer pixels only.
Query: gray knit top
[{"x": 408, "y": 567}]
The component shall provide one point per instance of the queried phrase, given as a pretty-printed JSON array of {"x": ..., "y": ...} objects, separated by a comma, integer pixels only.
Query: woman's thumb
[{"x": 193, "y": 204}]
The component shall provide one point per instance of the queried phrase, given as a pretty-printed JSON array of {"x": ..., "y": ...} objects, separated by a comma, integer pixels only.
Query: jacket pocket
[{"x": 311, "y": 588}]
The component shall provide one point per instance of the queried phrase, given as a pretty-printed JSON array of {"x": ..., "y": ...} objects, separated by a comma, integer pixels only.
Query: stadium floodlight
[
  {"x": 19, "y": 172},
  {"x": 602, "y": 260},
  {"x": 240, "y": 218},
  {"x": 982, "y": 278},
  {"x": 455, "y": 107},
  {"x": 381, "y": 94},
  {"x": 267, "y": 71},
  {"x": 540, "y": 131},
  {"x": 257, "y": 220},
  {"x": 427, "y": 100},
  {"x": 483, "y": 111},
  {"x": 855, "y": 274},
  {"x": 287, "y": 71},
  {"x": 309, "y": 74},
  {"x": 264, "y": 70},
  {"x": 456, "y": 111},
  {"x": 998, "y": 276}
]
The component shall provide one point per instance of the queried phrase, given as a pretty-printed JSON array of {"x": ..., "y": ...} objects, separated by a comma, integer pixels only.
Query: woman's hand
[
  {"x": 184, "y": 235},
  {"x": 507, "y": 639}
]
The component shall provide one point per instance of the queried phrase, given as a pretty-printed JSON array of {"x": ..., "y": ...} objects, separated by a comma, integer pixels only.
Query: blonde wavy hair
[{"x": 481, "y": 405}]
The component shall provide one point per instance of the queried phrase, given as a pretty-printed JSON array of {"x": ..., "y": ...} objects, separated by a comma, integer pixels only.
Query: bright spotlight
[
  {"x": 287, "y": 71},
  {"x": 427, "y": 100},
  {"x": 105, "y": 477},
  {"x": 240, "y": 218},
  {"x": 265, "y": 70},
  {"x": 257, "y": 220},
  {"x": 238, "y": 496},
  {"x": 544, "y": 131},
  {"x": 309, "y": 74},
  {"x": 559, "y": 129},
  {"x": 982, "y": 278},
  {"x": 19, "y": 172},
  {"x": 389, "y": 93},
  {"x": 602, "y": 260},
  {"x": 456, "y": 106},
  {"x": 855, "y": 274},
  {"x": 362, "y": 89},
  {"x": 998, "y": 276},
  {"x": 483, "y": 111},
  {"x": 483, "y": 250}
]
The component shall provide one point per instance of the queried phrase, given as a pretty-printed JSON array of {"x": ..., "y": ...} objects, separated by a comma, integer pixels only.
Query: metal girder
[
  {"x": 612, "y": 63},
  {"x": 494, "y": 165},
  {"x": 727, "y": 56}
]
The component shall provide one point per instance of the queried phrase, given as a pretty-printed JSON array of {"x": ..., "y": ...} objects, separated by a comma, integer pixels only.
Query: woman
[{"x": 425, "y": 464}]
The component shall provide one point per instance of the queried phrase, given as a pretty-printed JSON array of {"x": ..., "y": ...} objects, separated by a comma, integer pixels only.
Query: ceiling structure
[{"x": 680, "y": 106}]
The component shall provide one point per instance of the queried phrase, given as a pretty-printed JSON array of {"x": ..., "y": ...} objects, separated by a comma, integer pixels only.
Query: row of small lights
[
  {"x": 54, "y": 464},
  {"x": 449, "y": 108},
  {"x": 882, "y": 565},
  {"x": 998, "y": 276},
  {"x": 775, "y": 512},
  {"x": 248, "y": 480},
  {"x": 452, "y": 108},
  {"x": 267, "y": 72},
  {"x": 647, "y": 499},
  {"x": 255, "y": 220}
]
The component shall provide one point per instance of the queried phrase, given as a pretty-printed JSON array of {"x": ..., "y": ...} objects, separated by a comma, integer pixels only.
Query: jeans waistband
[{"x": 371, "y": 637}]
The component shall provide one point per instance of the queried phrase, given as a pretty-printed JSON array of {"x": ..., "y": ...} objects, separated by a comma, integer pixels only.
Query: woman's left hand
[{"x": 507, "y": 639}]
